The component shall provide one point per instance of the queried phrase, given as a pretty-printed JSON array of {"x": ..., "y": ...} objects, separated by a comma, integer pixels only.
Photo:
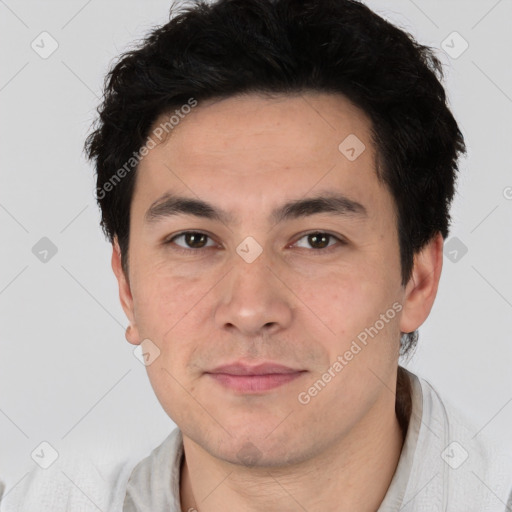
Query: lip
[
  {"x": 241, "y": 368},
  {"x": 245, "y": 378}
]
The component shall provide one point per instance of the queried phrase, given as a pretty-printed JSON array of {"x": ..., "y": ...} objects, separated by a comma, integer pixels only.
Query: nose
[{"x": 254, "y": 299}]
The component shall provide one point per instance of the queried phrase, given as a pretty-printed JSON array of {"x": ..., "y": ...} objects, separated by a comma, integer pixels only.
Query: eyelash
[{"x": 189, "y": 251}]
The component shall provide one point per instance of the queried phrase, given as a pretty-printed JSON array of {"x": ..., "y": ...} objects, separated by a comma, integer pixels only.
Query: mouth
[{"x": 244, "y": 378}]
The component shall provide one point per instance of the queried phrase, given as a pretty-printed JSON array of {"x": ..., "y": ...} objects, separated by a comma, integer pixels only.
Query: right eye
[{"x": 194, "y": 241}]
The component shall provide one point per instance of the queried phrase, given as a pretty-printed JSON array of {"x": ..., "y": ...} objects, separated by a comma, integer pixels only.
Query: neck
[{"x": 335, "y": 480}]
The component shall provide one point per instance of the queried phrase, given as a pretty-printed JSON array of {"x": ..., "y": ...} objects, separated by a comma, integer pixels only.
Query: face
[{"x": 246, "y": 280}]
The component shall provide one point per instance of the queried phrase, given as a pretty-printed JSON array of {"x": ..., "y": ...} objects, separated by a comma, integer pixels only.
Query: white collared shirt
[{"x": 442, "y": 467}]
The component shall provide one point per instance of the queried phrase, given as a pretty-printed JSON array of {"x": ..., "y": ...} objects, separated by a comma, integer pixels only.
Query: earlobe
[
  {"x": 125, "y": 294},
  {"x": 422, "y": 288},
  {"x": 132, "y": 335}
]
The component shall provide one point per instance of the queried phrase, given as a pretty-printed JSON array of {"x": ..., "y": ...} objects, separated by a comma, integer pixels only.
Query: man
[
  {"x": 277, "y": 240},
  {"x": 275, "y": 178}
]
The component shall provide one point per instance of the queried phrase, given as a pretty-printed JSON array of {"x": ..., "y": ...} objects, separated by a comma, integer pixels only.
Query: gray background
[{"x": 67, "y": 375}]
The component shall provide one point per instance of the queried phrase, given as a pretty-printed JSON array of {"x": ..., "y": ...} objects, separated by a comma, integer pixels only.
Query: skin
[{"x": 294, "y": 305}]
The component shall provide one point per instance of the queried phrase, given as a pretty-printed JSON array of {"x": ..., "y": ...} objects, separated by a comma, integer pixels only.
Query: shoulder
[
  {"x": 163, "y": 455},
  {"x": 83, "y": 482},
  {"x": 154, "y": 482},
  {"x": 70, "y": 484},
  {"x": 457, "y": 463}
]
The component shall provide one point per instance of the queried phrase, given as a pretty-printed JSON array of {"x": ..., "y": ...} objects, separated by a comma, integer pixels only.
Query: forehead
[
  {"x": 251, "y": 151},
  {"x": 305, "y": 123}
]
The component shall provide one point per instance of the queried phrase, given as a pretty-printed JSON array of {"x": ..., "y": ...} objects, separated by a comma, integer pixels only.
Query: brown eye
[
  {"x": 319, "y": 240},
  {"x": 195, "y": 240},
  {"x": 192, "y": 239}
]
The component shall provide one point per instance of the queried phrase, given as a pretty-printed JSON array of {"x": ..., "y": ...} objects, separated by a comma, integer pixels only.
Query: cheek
[
  {"x": 162, "y": 300},
  {"x": 170, "y": 311},
  {"x": 345, "y": 300}
]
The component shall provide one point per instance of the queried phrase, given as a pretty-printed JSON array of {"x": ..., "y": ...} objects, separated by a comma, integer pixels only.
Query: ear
[
  {"x": 125, "y": 294},
  {"x": 421, "y": 289}
]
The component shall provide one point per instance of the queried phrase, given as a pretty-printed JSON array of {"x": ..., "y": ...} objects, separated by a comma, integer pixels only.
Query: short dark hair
[{"x": 232, "y": 47}]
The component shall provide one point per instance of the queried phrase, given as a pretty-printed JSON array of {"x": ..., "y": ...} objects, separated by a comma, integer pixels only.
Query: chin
[{"x": 257, "y": 449}]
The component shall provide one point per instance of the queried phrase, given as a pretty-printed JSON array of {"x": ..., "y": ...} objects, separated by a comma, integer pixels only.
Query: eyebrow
[{"x": 331, "y": 203}]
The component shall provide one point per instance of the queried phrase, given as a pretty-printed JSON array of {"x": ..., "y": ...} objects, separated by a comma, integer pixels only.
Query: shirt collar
[{"x": 396, "y": 492}]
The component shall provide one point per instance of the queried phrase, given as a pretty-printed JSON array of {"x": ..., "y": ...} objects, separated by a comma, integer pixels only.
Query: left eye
[{"x": 319, "y": 239}]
